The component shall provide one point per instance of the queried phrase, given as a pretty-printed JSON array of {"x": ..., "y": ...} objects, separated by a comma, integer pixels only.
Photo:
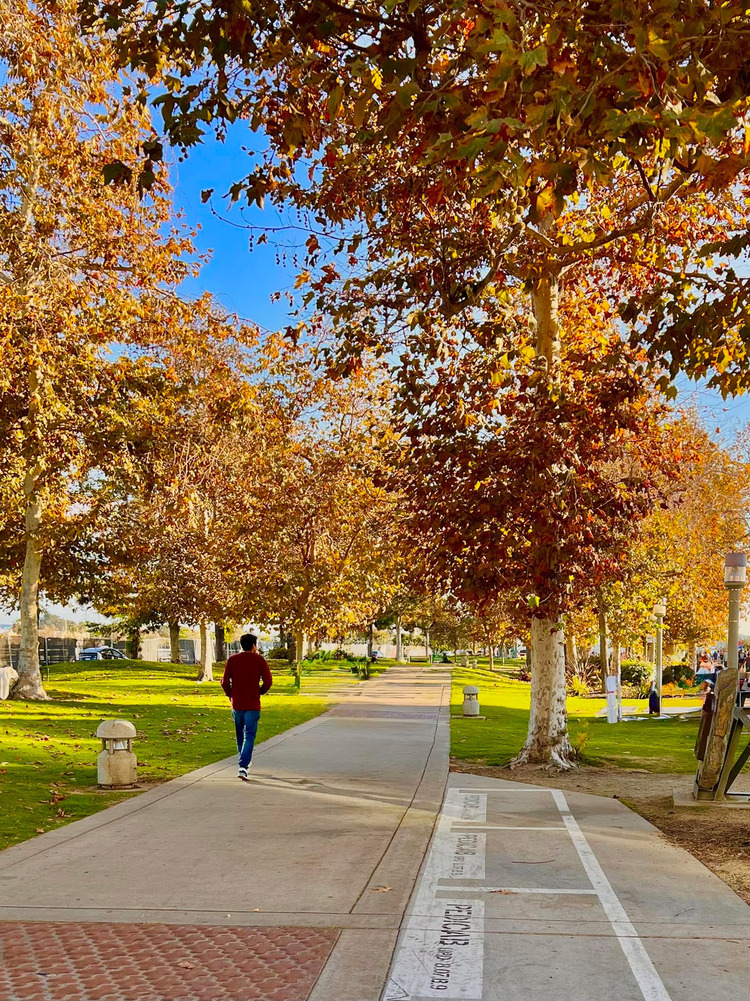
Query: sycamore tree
[
  {"x": 462, "y": 165},
  {"x": 172, "y": 530},
  {"x": 683, "y": 544},
  {"x": 318, "y": 543},
  {"x": 677, "y": 551},
  {"x": 89, "y": 267}
]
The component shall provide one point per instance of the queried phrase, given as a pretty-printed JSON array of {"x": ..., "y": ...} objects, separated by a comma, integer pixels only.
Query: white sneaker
[{"x": 242, "y": 774}]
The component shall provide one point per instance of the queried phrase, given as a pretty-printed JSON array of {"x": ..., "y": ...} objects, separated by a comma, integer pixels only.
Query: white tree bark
[
  {"x": 205, "y": 668},
  {"x": 614, "y": 669},
  {"x": 571, "y": 651},
  {"x": 30, "y": 684},
  {"x": 174, "y": 642},
  {"x": 547, "y": 742},
  {"x": 399, "y": 641}
]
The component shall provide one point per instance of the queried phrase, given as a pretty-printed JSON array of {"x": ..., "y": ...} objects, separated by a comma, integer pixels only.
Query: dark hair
[{"x": 248, "y": 641}]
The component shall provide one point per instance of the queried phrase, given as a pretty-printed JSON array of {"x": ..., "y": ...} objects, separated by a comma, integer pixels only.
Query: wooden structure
[{"x": 719, "y": 764}]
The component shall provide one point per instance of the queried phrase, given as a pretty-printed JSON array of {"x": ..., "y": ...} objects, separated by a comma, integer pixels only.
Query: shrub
[
  {"x": 670, "y": 690},
  {"x": 277, "y": 653},
  {"x": 636, "y": 673},
  {"x": 581, "y": 739},
  {"x": 577, "y": 686}
]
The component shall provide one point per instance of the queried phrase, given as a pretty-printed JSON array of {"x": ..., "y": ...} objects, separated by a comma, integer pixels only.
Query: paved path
[
  {"x": 295, "y": 887},
  {"x": 535, "y": 894},
  {"x": 289, "y": 887}
]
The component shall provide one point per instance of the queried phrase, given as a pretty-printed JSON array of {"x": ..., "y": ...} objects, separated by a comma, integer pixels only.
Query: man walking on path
[{"x": 246, "y": 677}]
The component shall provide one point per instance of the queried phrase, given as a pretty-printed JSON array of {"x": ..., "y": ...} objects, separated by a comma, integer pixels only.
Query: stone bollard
[
  {"x": 473, "y": 664},
  {"x": 471, "y": 700},
  {"x": 464, "y": 660},
  {"x": 8, "y": 681},
  {"x": 116, "y": 766}
]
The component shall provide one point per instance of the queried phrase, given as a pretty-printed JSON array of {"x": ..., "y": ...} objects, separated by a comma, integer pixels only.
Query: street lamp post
[
  {"x": 735, "y": 578},
  {"x": 660, "y": 610}
]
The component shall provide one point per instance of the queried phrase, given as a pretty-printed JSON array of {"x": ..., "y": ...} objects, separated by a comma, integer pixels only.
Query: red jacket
[{"x": 246, "y": 677}]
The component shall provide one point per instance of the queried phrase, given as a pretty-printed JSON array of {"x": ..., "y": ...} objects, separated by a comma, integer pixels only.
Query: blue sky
[{"x": 242, "y": 281}]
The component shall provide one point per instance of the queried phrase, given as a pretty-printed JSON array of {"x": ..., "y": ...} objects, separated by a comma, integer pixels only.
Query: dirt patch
[{"x": 716, "y": 836}]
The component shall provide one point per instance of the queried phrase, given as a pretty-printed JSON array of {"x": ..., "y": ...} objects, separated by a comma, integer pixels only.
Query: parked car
[{"x": 101, "y": 653}]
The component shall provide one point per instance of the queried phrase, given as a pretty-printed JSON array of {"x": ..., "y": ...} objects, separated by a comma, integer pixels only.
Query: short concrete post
[
  {"x": 471, "y": 700},
  {"x": 116, "y": 766},
  {"x": 8, "y": 681}
]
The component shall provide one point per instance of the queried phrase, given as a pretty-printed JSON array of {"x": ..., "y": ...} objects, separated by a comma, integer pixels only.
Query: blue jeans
[{"x": 246, "y": 725}]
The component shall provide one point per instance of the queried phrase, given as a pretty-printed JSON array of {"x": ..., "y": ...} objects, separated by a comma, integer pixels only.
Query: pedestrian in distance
[{"x": 246, "y": 677}]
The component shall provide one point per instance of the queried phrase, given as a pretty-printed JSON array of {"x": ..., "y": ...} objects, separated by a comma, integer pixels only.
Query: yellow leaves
[
  {"x": 657, "y": 45},
  {"x": 545, "y": 200},
  {"x": 376, "y": 77}
]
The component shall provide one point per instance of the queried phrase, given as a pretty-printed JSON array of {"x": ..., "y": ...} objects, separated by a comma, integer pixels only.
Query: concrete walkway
[
  {"x": 535, "y": 894},
  {"x": 329, "y": 834},
  {"x": 295, "y": 887}
]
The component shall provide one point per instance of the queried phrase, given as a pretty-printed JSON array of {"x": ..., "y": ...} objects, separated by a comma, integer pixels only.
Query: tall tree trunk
[
  {"x": 133, "y": 644},
  {"x": 206, "y": 666},
  {"x": 547, "y": 742},
  {"x": 299, "y": 645},
  {"x": 427, "y": 644},
  {"x": 370, "y": 639},
  {"x": 603, "y": 645},
  {"x": 571, "y": 652},
  {"x": 399, "y": 641},
  {"x": 692, "y": 655},
  {"x": 285, "y": 641},
  {"x": 174, "y": 642},
  {"x": 492, "y": 656},
  {"x": 30, "y": 684},
  {"x": 614, "y": 670},
  {"x": 221, "y": 641}
]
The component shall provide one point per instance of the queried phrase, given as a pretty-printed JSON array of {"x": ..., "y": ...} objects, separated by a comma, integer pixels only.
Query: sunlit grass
[
  {"x": 654, "y": 745},
  {"x": 48, "y": 750}
]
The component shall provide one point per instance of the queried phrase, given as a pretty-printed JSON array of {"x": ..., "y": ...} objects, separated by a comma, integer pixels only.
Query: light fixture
[
  {"x": 660, "y": 608},
  {"x": 735, "y": 570}
]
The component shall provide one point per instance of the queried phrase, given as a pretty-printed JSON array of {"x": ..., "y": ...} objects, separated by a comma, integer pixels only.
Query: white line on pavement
[
  {"x": 460, "y": 826},
  {"x": 643, "y": 969},
  {"x": 441, "y": 950},
  {"x": 520, "y": 889},
  {"x": 501, "y": 791}
]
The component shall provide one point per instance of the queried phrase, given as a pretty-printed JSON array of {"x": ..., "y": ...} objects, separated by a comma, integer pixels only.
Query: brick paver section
[{"x": 124, "y": 962}]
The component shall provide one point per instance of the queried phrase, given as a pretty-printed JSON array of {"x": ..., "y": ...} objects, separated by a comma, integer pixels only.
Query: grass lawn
[
  {"x": 654, "y": 745},
  {"x": 48, "y": 749}
]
